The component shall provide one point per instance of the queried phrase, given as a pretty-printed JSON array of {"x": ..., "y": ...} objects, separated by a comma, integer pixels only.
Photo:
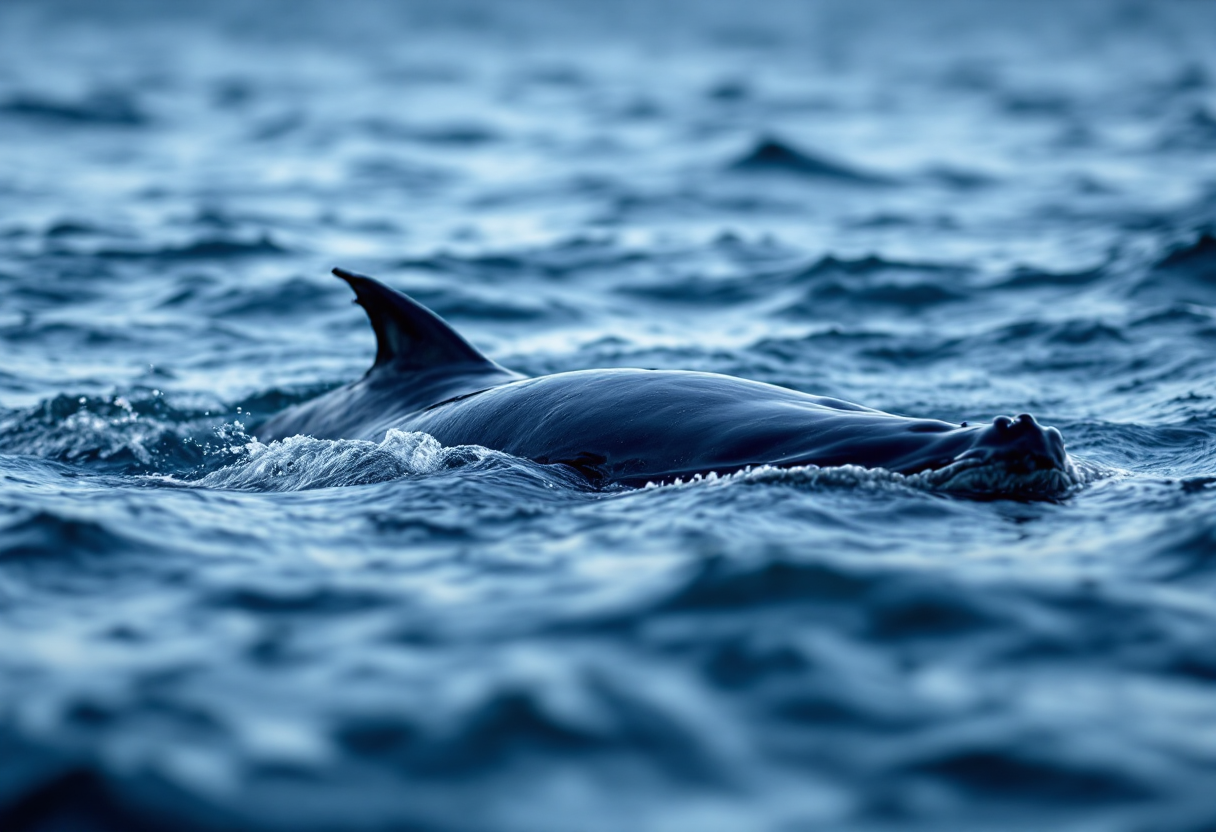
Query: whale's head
[{"x": 1015, "y": 457}]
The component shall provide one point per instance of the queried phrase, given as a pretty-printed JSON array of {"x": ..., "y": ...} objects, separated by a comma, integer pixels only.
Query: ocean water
[{"x": 940, "y": 209}]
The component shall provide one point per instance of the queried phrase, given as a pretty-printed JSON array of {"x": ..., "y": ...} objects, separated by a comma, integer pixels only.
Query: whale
[{"x": 634, "y": 427}]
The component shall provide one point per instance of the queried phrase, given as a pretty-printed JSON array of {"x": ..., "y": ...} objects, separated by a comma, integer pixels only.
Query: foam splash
[
  {"x": 134, "y": 432},
  {"x": 807, "y": 476},
  {"x": 300, "y": 463},
  {"x": 964, "y": 478}
]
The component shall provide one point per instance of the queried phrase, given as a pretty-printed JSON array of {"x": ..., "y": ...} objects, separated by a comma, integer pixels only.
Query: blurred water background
[{"x": 943, "y": 209}]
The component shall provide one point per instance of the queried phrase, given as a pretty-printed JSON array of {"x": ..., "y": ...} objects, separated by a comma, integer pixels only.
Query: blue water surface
[{"x": 942, "y": 209}]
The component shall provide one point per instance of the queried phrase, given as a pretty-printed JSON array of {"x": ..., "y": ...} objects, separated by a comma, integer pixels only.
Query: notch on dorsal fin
[{"x": 408, "y": 335}]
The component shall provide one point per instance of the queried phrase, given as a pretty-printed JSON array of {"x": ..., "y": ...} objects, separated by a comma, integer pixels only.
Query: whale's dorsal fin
[{"x": 408, "y": 335}]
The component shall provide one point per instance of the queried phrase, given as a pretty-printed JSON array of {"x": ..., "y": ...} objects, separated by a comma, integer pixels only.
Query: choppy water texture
[{"x": 941, "y": 209}]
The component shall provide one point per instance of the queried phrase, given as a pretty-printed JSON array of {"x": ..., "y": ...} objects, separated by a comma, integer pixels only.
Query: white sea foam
[
  {"x": 965, "y": 478},
  {"x": 302, "y": 462}
]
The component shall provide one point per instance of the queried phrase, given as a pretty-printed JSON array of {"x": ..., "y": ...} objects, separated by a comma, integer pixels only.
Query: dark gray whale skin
[{"x": 628, "y": 426}]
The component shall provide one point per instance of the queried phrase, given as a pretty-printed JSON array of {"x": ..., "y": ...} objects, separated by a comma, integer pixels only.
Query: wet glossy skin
[{"x": 639, "y": 426}]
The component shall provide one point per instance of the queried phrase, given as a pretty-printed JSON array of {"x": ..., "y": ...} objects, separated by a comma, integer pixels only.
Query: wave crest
[{"x": 300, "y": 463}]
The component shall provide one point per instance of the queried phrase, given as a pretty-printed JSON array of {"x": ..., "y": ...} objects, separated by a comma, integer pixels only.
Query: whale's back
[{"x": 637, "y": 426}]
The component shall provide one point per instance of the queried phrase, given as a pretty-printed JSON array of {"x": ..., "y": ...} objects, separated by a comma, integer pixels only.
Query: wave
[
  {"x": 700, "y": 290},
  {"x": 457, "y": 134},
  {"x": 961, "y": 179},
  {"x": 295, "y": 296},
  {"x": 1196, "y": 131},
  {"x": 72, "y": 228},
  {"x": 1034, "y": 340},
  {"x": 1029, "y": 333},
  {"x": 132, "y": 433},
  {"x": 302, "y": 463},
  {"x": 770, "y": 155},
  {"x": 1187, "y": 554},
  {"x": 381, "y": 169},
  {"x": 112, "y": 109},
  {"x": 1024, "y": 769},
  {"x": 871, "y": 264},
  {"x": 908, "y": 296},
  {"x": 61, "y": 335},
  {"x": 724, "y": 584},
  {"x": 50, "y": 536},
  {"x": 1199, "y": 257},
  {"x": 1026, "y": 277},
  {"x": 874, "y": 281},
  {"x": 1178, "y": 448},
  {"x": 140, "y": 431},
  {"x": 564, "y": 259},
  {"x": 1185, "y": 272},
  {"x": 1036, "y": 103},
  {"x": 491, "y": 306},
  {"x": 829, "y": 279},
  {"x": 203, "y": 249}
]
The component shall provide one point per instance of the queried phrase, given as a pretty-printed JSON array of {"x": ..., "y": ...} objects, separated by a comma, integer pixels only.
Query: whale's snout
[
  {"x": 1016, "y": 458},
  {"x": 1021, "y": 444}
]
